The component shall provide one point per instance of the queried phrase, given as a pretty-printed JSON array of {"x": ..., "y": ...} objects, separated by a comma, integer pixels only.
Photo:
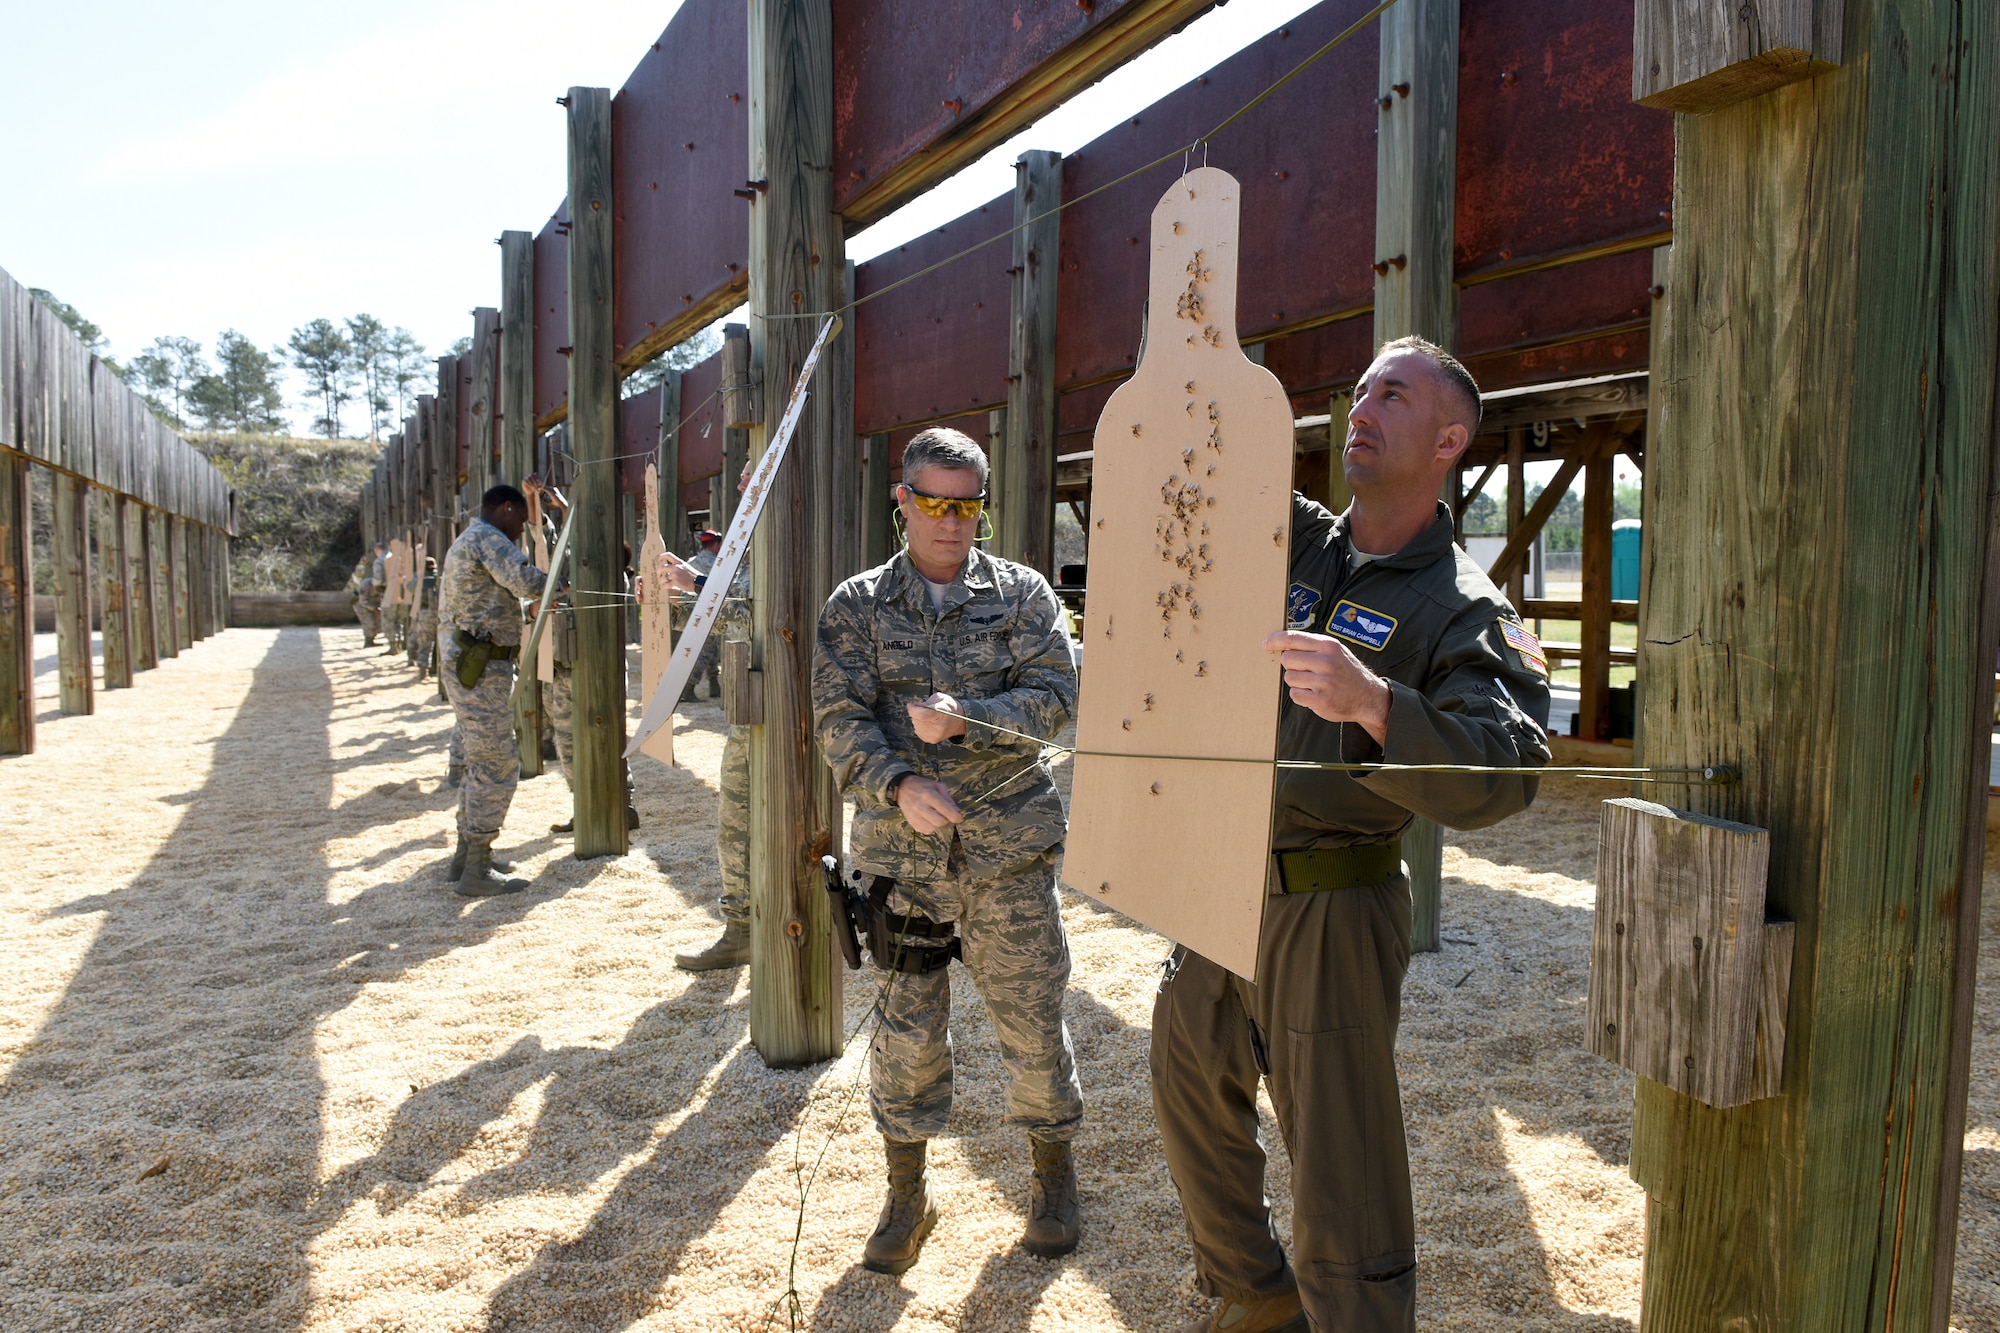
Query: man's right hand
[{"x": 927, "y": 804}]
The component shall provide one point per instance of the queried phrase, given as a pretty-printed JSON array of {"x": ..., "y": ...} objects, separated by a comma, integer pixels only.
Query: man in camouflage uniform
[
  {"x": 924, "y": 666},
  {"x": 560, "y": 698},
  {"x": 423, "y": 624},
  {"x": 707, "y": 666},
  {"x": 486, "y": 574},
  {"x": 378, "y": 583},
  {"x": 364, "y": 584}
]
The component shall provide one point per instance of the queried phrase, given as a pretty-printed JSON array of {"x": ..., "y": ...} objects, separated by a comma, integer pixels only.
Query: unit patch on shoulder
[
  {"x": 1300, "y": 603},
  {"x": 1527, "y": 645},
  {"x": 1357, "y": 624}
]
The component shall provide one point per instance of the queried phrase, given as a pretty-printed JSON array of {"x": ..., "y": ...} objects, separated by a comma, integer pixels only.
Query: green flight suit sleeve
[
  {"x": 1041, "y": 684},
  {"x": 1481, "y": 704}
]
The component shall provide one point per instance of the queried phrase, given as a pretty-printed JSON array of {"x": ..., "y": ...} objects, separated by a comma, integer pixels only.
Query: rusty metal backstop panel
[
  {"x": 680, "y": 145},
  {"x": 638, "y": 438},
  {"x": 915, "y": 80},
  {"x": 551, "y": 319},
  {"x": 1553, "y": 157},
  {"x": 1306, "y": 161},
  {"x": 937, "y": 346},
  {"x": 701, "y": 420}
]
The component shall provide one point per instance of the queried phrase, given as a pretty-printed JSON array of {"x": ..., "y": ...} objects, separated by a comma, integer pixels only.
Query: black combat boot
[
  {"x": 732, "y": 950},
  {"x": 1055, "y": 1214},
  {"x": 907, "y": 1214}
]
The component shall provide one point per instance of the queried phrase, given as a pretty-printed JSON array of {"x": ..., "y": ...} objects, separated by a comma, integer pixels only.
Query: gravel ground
[{"x": 261, "y": 1070}]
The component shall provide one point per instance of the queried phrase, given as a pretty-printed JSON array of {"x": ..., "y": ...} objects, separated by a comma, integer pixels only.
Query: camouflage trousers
[
  {"x": 485, "y": 738},
  {"x": 707, "y": 667},
  {"x": 1010, "y": 927},
  {"x": 399, "y": 624},
  {"x": 423, "y": 638},
  {"x": 732, "y": 826},
  {"x": 559, "y": 703},
  {"x": 369, "y": 614}
]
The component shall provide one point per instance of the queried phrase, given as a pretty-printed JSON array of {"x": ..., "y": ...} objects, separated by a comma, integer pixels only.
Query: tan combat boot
[
  {"x": 907, "y": 1214},
  {"x": 1055, "y": 1213},
  {"x": 499, "y": 863},
  {"x": 732, "y": 950},
  {"x": 1277, "y": 1314},
  {"x": 480, "y": 878}
]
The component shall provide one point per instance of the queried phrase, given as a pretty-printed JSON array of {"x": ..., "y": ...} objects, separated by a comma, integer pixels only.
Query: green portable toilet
[{"x": 1625, "y": 560}]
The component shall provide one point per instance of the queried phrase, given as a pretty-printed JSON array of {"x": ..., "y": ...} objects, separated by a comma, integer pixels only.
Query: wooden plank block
[
  {"x": 1190, "y": 519},
  {"x": 1677, "y": 977},
  {"x": 139, "y": 576},
  {"x": 1698, "y": 56},
  {"x": 1594, "y": 697},
  {"x": 742, "y": 687},
  {"x": 656, "y": 645},
  {"x": 1767, "y": 1078},
  {"x": 1544, "y": 608},
  {"x": 517, "y": 355},
  {"x": 10, "y": 370}
]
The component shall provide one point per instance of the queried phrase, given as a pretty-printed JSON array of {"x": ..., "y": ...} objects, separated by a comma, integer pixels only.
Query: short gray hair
[{"x": 941, "y": 446}]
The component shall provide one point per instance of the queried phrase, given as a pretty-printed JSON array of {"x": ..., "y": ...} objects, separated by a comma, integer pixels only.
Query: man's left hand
[
  {"x": 1325, "y": 677},
  {"x": 678, "y": 573},
  {"x": 937, "y": 719}
]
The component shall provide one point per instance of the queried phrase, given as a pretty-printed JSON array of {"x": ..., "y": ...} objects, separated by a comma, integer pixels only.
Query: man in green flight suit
[
  {"x": 1397, "y": 649},
  {"x": 935, "y": 675}
]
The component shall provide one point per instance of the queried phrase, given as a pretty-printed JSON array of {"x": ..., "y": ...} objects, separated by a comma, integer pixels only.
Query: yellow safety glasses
[{"x": 937, "y": 506}]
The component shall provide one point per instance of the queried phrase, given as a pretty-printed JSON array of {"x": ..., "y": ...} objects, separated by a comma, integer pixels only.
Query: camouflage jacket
[
  {"x": 733, "y": 619},
  {"x": 1001, "y": 648},
  {"x": 483, "y": 580}
]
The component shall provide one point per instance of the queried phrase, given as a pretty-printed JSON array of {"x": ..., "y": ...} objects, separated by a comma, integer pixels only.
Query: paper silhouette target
[{"x": 1190, "y": 516}]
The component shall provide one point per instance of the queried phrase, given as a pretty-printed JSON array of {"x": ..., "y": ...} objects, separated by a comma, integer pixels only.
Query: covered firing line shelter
[{"x": 1476, "y": 171}]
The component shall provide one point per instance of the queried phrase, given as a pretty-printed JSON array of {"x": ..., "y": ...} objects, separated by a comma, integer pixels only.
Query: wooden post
[
  {"x": 517, "y": 356},
  {"x": 177, "y": 538},
  {"x": 796, "y": 262},
  {"x": 1338, "y": 494},
  {"x": 997, "y": 461},
  {"x": 114, "y": 569},
  {"x": 875, "y": 540},
  {"x": 445, "y": 441},
  {"x": 598, "y": 676},
  {"x": 735, "y": 453},
  {"x": 72, "y": 562},
  {"x": 145, "y": 620},
  {"x": 671, "y": 521},
  {"x": 17, "y": 609},
  {"x": 1594, "y": 663},
  {"x": 1416, "y": 159},
  {"x": 1028, "y": 509},
  {"x": 1819, "y": 481},
  {"x": 481, "y": 471},
  {"x": 1517, "y": 502}
]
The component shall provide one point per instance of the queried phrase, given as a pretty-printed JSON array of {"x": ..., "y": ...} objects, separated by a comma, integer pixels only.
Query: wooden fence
[{"x": 160, "y": 512}]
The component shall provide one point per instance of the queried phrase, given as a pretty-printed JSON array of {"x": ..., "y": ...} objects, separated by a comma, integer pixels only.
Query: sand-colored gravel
[{"x": 261, "y": 1070}]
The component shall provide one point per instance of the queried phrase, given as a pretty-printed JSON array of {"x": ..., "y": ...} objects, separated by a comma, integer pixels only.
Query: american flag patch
[{"x": 1527, "y": 645}]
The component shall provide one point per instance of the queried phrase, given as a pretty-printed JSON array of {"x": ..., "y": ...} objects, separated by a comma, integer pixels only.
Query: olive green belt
[
  {"x": 495, "y": 652},
  {"x": 1339, "y": 867}
]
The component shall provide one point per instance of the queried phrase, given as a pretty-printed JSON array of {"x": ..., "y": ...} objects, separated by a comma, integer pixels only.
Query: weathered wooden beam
[
  {"x": 1338, "y": 494},
  {"x": 71, "y": 550},
  {"x": 1517, "y": 498},
  {"x": 1544, "y": 608},
  {"x": 735, "y": 453},
  {"x": 796, "y": 262},
  {"x": 875, "y": 501},
  {"x": 1134, "y": 27},
  {"x": 115, "y": 571},
  {"x": 145, "y": 621},
  {"x": 598, "y": 675},
  {"x": 1544, "y": 508},
  {"x": 1594, "y": 697},
  {"x": 1575, "y": 403},
  {"x": 1819, "y": 611},
  {"x": 177, "y": 540},
  {"x": 517, "y": 356},
  {"x": 17, "y": 609},
  {"x": 671, "y": 521},
  {"x": 480, "y": 470},
  {"x": 1698, "y": 56},
  {"x": 1472, "y": 492},
  {"x": 1416, "y": 160},
  {"x": 445, "y": 441},
  {"x": 1028, "y": 509}
]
